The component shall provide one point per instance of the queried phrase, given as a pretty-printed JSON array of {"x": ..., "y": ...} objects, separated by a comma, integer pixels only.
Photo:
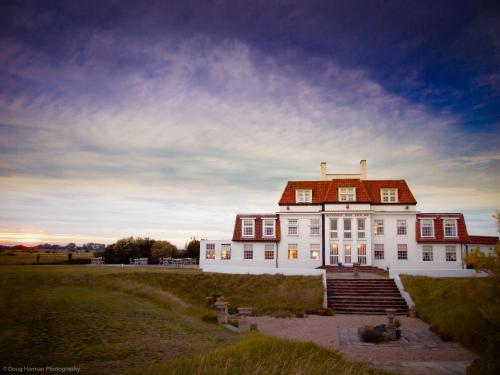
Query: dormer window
[
  {"x": 303, "y": 195},
  {"x": 248, "y": 227},
  {"x": 347, "y": 194},
  {"x": 427, "y": 227},
  {"x": 269, "y": 227},
  {"x": 389, "y": 195},
  {"x": 450, "y": 227}
]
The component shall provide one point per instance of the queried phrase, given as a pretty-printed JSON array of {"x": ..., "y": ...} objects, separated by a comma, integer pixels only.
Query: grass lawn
[
  {"x": 113, "y": 319},
  {"x": 465, "y": 310},
  {"x": 16, "y": 257}
]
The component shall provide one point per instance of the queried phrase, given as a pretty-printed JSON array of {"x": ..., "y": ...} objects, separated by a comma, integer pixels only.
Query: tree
[
  {"x": 193, "y": 249},
  {"x": 162, "y": 249},
  {"x": 124, "y": 249}
]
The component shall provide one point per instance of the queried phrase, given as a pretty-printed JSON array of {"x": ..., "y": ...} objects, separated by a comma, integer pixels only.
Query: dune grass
[
  {"x": 464, "y": 310},
  {"x": 16, "y": 257},
  {"x": 255, "y": 354}
]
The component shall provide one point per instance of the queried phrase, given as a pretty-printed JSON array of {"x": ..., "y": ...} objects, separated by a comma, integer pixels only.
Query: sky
[{"x": 167, "y": 118}]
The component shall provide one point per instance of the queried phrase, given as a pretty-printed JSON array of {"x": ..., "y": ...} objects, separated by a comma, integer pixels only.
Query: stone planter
[
  {"x": 391, "y": 313},
  {"x": 355, "y": 269},
  {"x": 222, "y": 312},
  {"x": 244, "y": 324},
  {"x": 412, "y": 312}
]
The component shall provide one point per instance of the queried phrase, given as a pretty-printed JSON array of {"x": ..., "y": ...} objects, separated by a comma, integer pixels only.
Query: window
[
  {"x": 269, "y": 251},
  {"x": 451, "y": 253},
  {"x": 347, "y": 228},
  {"x": 315, "y": 227},
  {"x": 427, "y": 253},
  {"x": 379, "y": 227},
  {"x": 210, "y": 251},
  {"x": 347, "y": 194},
  {"x": 225, "y": 252},
  {"x": 293, "y": 227},
  {"x": 247, "y": 251},
  {"x": 315, "y": 248},
  {"x": 450, "y": 227},
  {"x": 362, "y": 253},
  {"x": 427, "y": 227},
  {"x": 269, "y": 227},
  {"x": 389, "y": 195},
  {"x": 248, "y": 227},
  {"x": 379, "y": 251},
  {"x": 334, "y": 253},
  {"x": 347, "y": 254},
  {"x": 402, "y": 251},
  {"x": 293, "y": 253},
  {"x": 401, "y": 228},
  {"x": 303, "y": 195},
  {"x": 361, "y": 228},
  {"x": 333, "y": 228}
]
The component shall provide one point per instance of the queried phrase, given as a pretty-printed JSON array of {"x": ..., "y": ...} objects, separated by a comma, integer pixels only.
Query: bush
[
  {"x": 209, "y": 317},
  {"x": 370, "y": 334},
  {"x": 329, "y": 312},
  {"x": 299, "y": 314}
]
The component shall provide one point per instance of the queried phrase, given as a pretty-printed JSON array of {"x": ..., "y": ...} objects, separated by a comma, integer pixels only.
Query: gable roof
[
  {"x": 367, "y": 191},
  {"x": 462, "y": 235},
  {"x": 483, "y": 240},
  {"x": 258, "y": 230}
]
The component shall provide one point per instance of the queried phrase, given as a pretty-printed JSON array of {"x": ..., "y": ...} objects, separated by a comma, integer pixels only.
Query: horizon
[{"x": 166, "y": 120}]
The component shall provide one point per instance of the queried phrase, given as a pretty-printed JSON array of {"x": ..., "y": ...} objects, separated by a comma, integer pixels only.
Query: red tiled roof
[
  {"x": 237, "y": 235},
  {"x": 483, "y": 240},
  {"x": 462, "y": 235},
  {"x": 367, "y": 191}
]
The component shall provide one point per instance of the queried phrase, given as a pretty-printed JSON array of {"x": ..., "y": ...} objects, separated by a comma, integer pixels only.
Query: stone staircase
[
  {"x": 364, "y": 296},
  {"x": 350, "y": 269}
]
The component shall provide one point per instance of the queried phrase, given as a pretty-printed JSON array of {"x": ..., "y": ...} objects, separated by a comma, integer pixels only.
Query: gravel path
[{"x": 422, "y": 351}]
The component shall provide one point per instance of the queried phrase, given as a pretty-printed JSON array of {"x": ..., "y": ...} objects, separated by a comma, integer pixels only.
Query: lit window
[
  {"x": 450, "y": 227},
  {"x": 347, "y": 194},
  {"x": 333, "y": 228},
  {"x": 347, "y": 253},
  {"x": 362, "y": 253},
  {"x": 389, "y": 195},
  {"x": 427, "y": 227},
  {"x": 269, "y": 227},
  {"x": 225, "y": 252},
  {"x": 347, "y": 228},
  {"x": 401, "y": 228},
  {"x": 303, "y": 195},
  {"x": 248, "y": 251},
  {"x": 210, "y": 251},
  {"x": 248, "y": 227},
  {"x": 334, "y": 253},
  {"x": 315, "y": 248},
  {"x": 315, "y": 227},
  {"x": 269, "y": 251},
  {"x": 427, "y": 255},
  {"x": 451, "y": 253},
  {"x": 293, "y": 253},
  {"x": 293, "y": 227},
  {"x": 402, "y": 252},
  {"x": 379, "y": 251},
  {"x": 379, "y": 227},
  {"x": 361, "y": 228}
]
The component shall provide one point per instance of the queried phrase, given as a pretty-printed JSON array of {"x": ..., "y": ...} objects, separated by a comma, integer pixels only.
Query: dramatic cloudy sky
[{"x": 165, "y": 119}]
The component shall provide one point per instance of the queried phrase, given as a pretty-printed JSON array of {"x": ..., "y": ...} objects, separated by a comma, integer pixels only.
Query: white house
[{"x": 337, "y": 221}]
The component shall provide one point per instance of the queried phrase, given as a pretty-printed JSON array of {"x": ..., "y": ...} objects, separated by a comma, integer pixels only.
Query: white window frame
[
  {"x": 210, "y": 249},
  {"x": 427, "y": 253},
  {"x": 455, "y": 227},
  {"x": 362, "y": 253},
  {"x": 334, "y": 232},
  {"x": 265, "y": 226},
  {"x": 347, "y": 232},
  {"x": 362, "y": 228},
  {"x": 315, "y": 225},
  {"x": 225, "y": 252},
  {"x": 451, "y": 250},
  {"x": 244, "y": 222},
  {"x": 303, "y": 196},
  {"x": 402, "y": 224},
  {"x": 269, "y": 248},
  {"x": 378, "y": 249},
  {"x": 316, "y": 249},
  {"x": 296, "y": 225},
  {"x": 293, "y": 247},
  {"x": 402, "y": 249},
  {"x": 347, "y": 194},
  {"x": 378, "y": 224},
  {"x": 334, "y": 253},
  {"x": 389, "y": 195},
  {"x": 247, "y": 250},
  {"x": 424, "y": 221}
]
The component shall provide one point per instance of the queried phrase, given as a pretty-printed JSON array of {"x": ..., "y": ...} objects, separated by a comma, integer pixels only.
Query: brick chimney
[{"x": 363, "y": 172}]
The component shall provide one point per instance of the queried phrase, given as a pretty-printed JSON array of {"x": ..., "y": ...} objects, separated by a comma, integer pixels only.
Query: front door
[
  {"x": 334, "y": 254},
  {"x": 347, "y": 254}
]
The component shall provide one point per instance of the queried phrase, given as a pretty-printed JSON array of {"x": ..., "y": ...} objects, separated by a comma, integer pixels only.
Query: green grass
[
  {"x": 14, "y": 257},
  {"x": 256, "y": 354},
  {"x": 465, "y": 310},
  {"x": 267, "y": 294}
]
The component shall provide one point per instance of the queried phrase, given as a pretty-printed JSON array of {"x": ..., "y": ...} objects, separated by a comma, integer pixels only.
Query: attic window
[
  {"x": 347, "y": 194},
  {"x": 303, "y": 195},
  {"x": 248, "y": 227},
  {"x": 450, "y": 227},
  {"x": 389, "y": 195}
]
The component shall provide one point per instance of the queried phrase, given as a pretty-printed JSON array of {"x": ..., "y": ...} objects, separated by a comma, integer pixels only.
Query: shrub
[
  {"x": 299, "y": 314},
  {"x": 370, "y": 334},
  {"x": 330, "y": 312},
  {"x": 209, "y": 317}
]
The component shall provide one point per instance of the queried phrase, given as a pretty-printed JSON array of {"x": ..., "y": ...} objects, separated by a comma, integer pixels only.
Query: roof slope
[
  {"x": 258, "y": 237},
  {"x": 483, "y": 240}
]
